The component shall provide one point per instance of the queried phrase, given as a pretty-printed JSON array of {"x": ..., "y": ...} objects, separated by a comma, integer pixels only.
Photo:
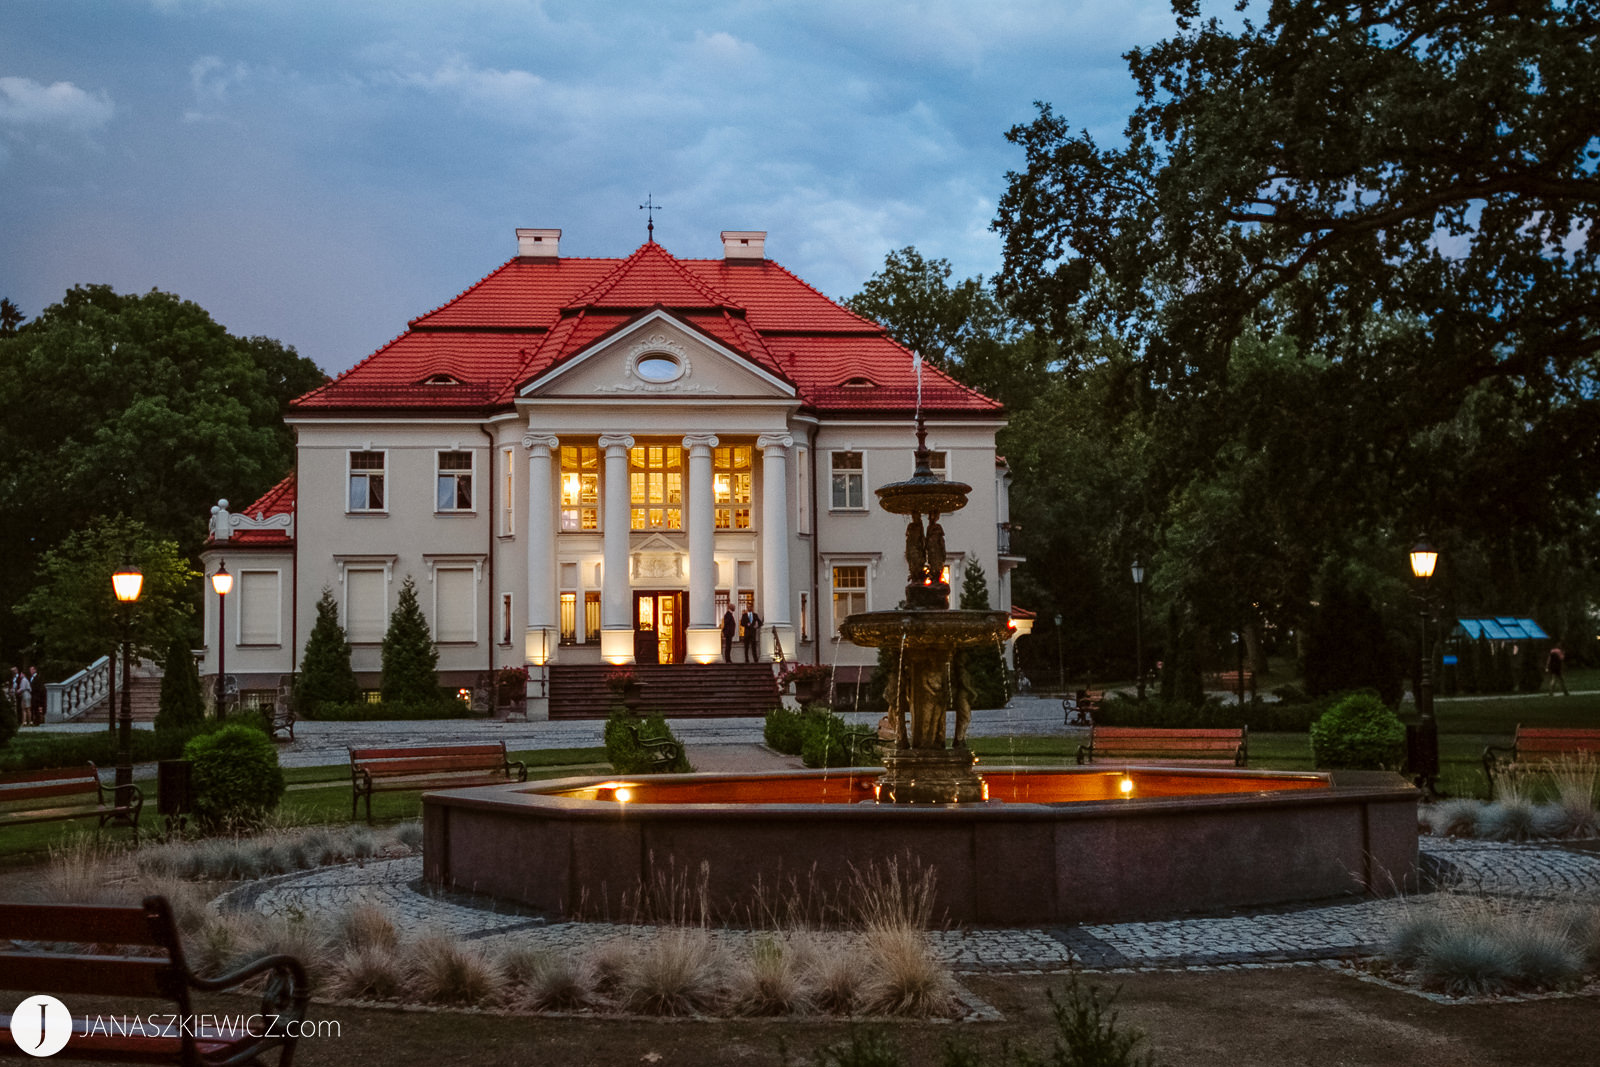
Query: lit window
[
  {"x": 849, "y": 482},
  {"x": 655, "y": 487},
  {"x": 580, "y": 487},
  {"x": 731, "y": 486},
  {"x": 366, "y": 481},
  {"x": 591, "y": 616},
  {"x": 569, "y": 618},
  {"x": 455, "y": 482},
  {"x": 849, "y": 592}
]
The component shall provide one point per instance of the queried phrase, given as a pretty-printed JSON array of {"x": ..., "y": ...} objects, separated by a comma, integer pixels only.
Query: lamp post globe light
[
  {"x": 126, "y": 583},
  {"x": 1138, "y": 627},
  {"x": 222, "y": 582},
  {"x": 1425, "y": 755}
]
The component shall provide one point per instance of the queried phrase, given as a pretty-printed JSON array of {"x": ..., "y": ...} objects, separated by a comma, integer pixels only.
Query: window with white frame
[
  {"x": 849, "y": 482},
  {"x": 591, "y": 616},
  {"x": 366, "y": 605},
  {"x": 849, "y": 591},
  {"x": 580, "y": 487},
  {"x": 655, "y": 487},
  {"x": 454, "y": 481},
  {"x": 569, "y": 618},
  {"x": 938, "y": 463},
  {"x": 260, "y": 608},
  {"x": 455, "y": 604},
  {"x": 367, "y": 470},
  {"x": 508, "y": 493},
  {"x": 731, "y": 486},
  {"x": 505, "y": 618},
  {"x": 802, "y": 472}
]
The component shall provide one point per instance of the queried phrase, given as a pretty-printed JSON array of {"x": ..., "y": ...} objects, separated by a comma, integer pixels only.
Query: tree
[
  {"x": 10, "y": 317},
  {"x": 410, "y": 659},
  {"x": 76, "y": 617},
  {"x": 182, "y": 706},
  {"x": 985, "y": 668},
  {"x": 912, "y": 298},
  {"x": 325, "y": 673},
  {"x": 136, "y": 405}
]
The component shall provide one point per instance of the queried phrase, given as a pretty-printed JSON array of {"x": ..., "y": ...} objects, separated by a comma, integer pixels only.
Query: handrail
[{"x": 75, "y": 696}]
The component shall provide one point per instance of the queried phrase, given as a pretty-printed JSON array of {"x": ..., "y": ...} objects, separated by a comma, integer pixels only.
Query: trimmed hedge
[
  {"x": 820, "y": 738},
  {"x": 627, "y": 756},
  {"x": 1360, "y": 733},
  {"x": 236, "y": 778},
  {"x": 37, "y": 751},
  {"x": 1121, "y": 710}
]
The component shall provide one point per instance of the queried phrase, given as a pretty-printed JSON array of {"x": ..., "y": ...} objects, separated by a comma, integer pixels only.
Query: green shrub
[
  {"x": 785, "y": 731},
  {"x": 182, "y": 707},
  {"x": 37, "y": 750},
  {"x": 325, "y": 674},
  {"x": 1359, "y": 732},
  {"x": 410, "y": 660},
  {"x": 628, "y": 756},
  {"x": 390, "y": 710},
  {"x": 236, "y": 778},
  {"x": 827, "y": 742},
  {"x": 8, "y": 718}
]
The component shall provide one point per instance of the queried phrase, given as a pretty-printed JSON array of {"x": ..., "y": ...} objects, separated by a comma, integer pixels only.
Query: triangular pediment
[{"x": 658, "y": 355}]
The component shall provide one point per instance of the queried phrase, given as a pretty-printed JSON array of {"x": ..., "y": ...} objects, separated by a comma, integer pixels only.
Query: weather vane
[{"x": 649, "y": 208}]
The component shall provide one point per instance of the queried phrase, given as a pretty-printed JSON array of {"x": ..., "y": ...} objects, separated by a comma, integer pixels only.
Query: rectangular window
[
  {"x": 849, "y": 482},
  {"x": 366, "y": 481},
  {"x": 723, "y": 602},
  {"x": 591, "y": 616},
  {"x": 569, "y": 618},
  {"x": 505, "y": 618},
  {"x": 730, "y": 481},
  {"x": 455, "y": 605},
  {"x": 655, "y": 487},
  {"x": 937, "y": 464},
  {"x": 849, "y": 592},
  {"x": 366, "y": 609},
  {"x": 802, "y": 473},
  {"x": 508, "y": 494},
  {"x": 580, "y": 487},
  {"x": 260, "y": 608},
  {"x": 455, "y": 482},
  {"x": 805, "y": 616}
]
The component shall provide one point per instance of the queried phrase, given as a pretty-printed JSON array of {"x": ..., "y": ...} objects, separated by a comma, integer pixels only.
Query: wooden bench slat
[
  {"x": 1542, "y": 743},
  {"x": 374, "y": 770},
  {"x": 437, "y": 763},
  {"x": 1174, "y": 744},
  {"x": 363, "y": 754},
  {"x": 84, "y": 773},
  {"x": 112, "y": 976},
  {"x": 77, "y": 922},
  {"x": 10, "y": 792}
]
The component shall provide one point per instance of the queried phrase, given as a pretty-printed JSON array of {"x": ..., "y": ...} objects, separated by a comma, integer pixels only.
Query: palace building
[{"x": 588, "y": 461}]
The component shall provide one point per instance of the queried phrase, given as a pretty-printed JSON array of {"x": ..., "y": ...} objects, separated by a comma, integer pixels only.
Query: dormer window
[
  {"x": 858, "y": 383},
  {"x": 441, "y": 379},
  {"x": 658, "y": 368}
]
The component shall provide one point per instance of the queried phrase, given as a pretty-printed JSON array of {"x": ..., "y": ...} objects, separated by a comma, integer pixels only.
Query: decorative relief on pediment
[{"x": 658, "y": 362}]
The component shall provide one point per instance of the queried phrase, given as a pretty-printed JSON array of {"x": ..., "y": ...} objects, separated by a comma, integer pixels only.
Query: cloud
[{"x": 24, "y": 102}]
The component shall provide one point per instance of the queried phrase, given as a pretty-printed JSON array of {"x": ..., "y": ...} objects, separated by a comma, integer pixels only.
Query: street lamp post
[
  {"x": 1061, "y": 662},
  {"x": 1425, "y": 755},
  {"x": 126, "y": 583},
  {"x": 222, "y": 582},
  {"x": 1138, "y": 627}
]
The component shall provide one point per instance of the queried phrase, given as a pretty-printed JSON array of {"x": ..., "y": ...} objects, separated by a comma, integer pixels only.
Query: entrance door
[{"x": 658, "y": 627}]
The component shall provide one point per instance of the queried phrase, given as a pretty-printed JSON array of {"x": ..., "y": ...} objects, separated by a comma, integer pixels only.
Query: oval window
[{"x": 658, "y": 368}]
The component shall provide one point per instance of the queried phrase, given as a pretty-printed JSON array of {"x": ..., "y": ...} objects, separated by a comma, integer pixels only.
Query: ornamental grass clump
[
  {"x": 546, "y": 980},
  {"x": 1465, "y": 946},
  {"x": 904, "y": 976},
  {"x": 368, "y": 926},
  {"x": 445, "y": 971},
  {"x": 369, "y": 972},
  {"x": 679, "y": 971},
  {"x": 1576, "y": 778},
  {"x": 832, "y": 976},
  {"x": 767, "y": 981}
]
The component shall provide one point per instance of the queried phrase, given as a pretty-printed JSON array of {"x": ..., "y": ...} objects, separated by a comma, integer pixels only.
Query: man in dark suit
[
  {"x": 730, "y": 627},
  {"x": 750, "y": 624}
]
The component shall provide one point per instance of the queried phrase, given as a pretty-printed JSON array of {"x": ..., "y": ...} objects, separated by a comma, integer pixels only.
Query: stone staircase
[
  {"x": 677, "y": 690},
  {"x": 82, "y": 697}
]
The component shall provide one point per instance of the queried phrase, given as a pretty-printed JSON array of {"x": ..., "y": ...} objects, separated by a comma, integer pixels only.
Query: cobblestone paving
[{"x": 1275, "y": 937}]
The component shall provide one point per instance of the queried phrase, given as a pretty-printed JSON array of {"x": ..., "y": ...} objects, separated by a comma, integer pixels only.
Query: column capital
[
  {"x": 774, "y": 440},
  {"x": 609, "y": 441},
  {"x": 695, "y": 441},
  {"x": 534, "y": 441}
]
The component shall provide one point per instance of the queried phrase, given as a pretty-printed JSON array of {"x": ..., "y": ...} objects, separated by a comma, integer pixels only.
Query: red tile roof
[
  {"x": 279, "y": 500},
  {"x": 533, "y": 313}
]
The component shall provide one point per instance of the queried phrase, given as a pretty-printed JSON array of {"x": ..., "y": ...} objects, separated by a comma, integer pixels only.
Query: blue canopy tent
[{"x": 1499, "y": 628}]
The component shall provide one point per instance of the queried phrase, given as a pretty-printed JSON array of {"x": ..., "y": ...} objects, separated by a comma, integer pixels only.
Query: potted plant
[
  {"x": 624, "y": 686},
  {"x": 511, "y": 686},
  {"x": 809, "y": 681}
]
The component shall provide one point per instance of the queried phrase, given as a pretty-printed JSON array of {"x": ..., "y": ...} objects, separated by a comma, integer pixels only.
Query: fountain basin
[
  {"x": 915, "y": 630},
  {"x": 1050, "y": 846}
]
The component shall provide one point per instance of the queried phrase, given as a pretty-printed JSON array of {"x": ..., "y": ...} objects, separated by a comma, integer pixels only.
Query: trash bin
[{"x": 172, "y": 787}]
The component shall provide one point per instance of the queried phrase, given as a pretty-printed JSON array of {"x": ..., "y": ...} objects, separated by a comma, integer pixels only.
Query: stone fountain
[{"x": 925, "y": 636}]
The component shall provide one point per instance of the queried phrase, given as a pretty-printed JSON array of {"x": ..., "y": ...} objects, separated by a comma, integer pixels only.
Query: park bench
[
  {"x": 1533, "y": 744},
  {"x": 1081, "y": 708},
  {"x": 80, "y": 950},
  {"x": 1228, "y": 681},
  {"x": 1221, "y": 746},
  {"x": 662, "y": 752},
  {"x": 65, "y": 793},
  {"x": 376, "y": 770}
]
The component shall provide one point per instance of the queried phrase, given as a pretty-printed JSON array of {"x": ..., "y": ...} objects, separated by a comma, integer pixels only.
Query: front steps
[{"x": 676, "y": 690}]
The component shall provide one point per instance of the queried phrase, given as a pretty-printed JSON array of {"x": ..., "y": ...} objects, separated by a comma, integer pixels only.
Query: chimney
[
  {"x": 744, "y": 246},
  {"x": 538, "y": 244}
]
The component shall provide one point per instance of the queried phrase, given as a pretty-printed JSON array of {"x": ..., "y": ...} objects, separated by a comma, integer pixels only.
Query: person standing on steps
[
  {"x": 750, "y": 633},
  {"x": 1555, "y": 667},
  {"x": 730, "y": 627},
  {"x": 36, "y": 683}
]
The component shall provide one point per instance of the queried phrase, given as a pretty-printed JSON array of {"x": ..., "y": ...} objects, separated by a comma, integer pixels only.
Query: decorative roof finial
[{"x": 649, "y": 208}]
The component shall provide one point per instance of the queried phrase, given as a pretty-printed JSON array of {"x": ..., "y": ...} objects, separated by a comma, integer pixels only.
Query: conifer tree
[
  {"x": 985, "y": 667},
  {"x": 182, "y": 705},
  {"x": 410, "y": 659},
  {"x": 325, "y": 673}
]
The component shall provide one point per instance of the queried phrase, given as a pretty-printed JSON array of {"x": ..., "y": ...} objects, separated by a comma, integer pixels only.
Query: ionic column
[
  {"x": 616, "y": 626},
  {"x": 540, "y": 526},
  {"x": 775, "y": 539},
  {"x": 704, "y": 642}
]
